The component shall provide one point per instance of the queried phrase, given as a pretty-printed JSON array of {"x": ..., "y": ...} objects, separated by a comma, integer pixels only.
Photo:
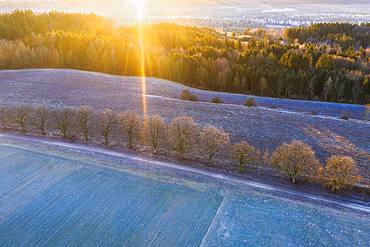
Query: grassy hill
[{"x": 263, "y": 126}]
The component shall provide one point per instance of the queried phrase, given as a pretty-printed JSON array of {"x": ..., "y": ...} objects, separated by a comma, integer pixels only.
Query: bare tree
[
  {"x": 21, "y": 117},
  {"x": 130, "y": 123},
  {"x": 39, "y": 118},
  {"x": 182, "y": 134},
  {"x": 64, "y": 120},
  {"x": 107, "y": 120},
  {"x": 341, "y": 172},
  {"x": 244, "y": 154},
  {"x": 155, "y": 131},
  {"x": 212, "y": 140},
  {"x": 265, "y": 157},
  {"x": 84, "y": 120},
  {"x": 4, "y": 117},
  {"x": 296, "y": 160}
]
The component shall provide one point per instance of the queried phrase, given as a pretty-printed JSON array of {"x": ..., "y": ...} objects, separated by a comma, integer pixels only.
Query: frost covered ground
[
  {"x": 81, "y": 197},
  {"x": 262, "y": 126}
]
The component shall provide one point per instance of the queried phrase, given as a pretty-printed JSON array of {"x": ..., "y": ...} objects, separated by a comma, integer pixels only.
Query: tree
[
  {"x": 64, "y": 119},
  {"x": 263, "y": 85},
  {"x": 130, "y": 124},
  {"x": 217, "y": 100},
  {"x": 84, "y": 120},
  {"x": 328, "y": 88},
  {"x": 250, "y": 102},
  {"x": 39, "y": 118},
  {"x": 340, "y": 173},
  {"x": 326, "y": 62},
  {"x": 212, "y": 140},
  {"x": 244, "y": 153},
  {"x": 21, "y": 117},
  {"x": 182, "y": 134},
  {"x": 107, "y": 120},
  {"x": 155, "y": 130},
  {"x": 186, "y": 95},
  {"x": 4, "y": 117},
  {"x": 295, "y": 59},
  {"x": 296, "y": 160}
]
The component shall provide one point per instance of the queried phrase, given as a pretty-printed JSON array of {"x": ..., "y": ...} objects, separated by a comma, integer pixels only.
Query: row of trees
[
  {"x": 194, "y": 56},
  {"x": 183, "y": 137}
]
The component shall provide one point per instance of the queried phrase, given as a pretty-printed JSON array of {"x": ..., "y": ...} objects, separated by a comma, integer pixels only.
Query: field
[
  {"x": 80, "y": 197},
  {"x": 263, "y": 126}
]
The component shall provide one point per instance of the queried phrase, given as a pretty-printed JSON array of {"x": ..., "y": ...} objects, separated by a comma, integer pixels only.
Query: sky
[
  {"x": 120, "y": 9},
  {"x": 156, "y": 3}
]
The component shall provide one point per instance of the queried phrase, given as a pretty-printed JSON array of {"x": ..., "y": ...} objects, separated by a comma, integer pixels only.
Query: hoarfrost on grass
[
  {"x": 79, "y": 203},
  {"x": 262, "y": 126}
]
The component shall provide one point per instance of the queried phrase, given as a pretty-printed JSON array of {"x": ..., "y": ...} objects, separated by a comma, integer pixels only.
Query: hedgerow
[{"x": 181, "y": 137}]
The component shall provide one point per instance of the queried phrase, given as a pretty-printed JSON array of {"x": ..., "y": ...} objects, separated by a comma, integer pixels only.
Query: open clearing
[
  {"x": 54, "y": 195},
  {"x": 263, "y": 127}
]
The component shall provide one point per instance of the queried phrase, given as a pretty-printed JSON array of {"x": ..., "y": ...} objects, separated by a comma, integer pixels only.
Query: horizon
[{"x": 229, "y": 15}]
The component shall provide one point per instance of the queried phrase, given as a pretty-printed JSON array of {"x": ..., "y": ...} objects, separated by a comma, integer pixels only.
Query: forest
[{"x": 329, "y": 62}]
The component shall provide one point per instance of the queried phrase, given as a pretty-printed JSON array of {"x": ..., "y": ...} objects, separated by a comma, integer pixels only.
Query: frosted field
[
  {"x": 62, "y": 196},
  {"x": 263, "y": 127},
  {"x": 60, "y": 83}
]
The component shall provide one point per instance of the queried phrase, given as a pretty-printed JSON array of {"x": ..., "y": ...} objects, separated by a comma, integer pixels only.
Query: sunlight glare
[
  {"x": 140, "y": 4},
  {"x": 140, "y": 7}
]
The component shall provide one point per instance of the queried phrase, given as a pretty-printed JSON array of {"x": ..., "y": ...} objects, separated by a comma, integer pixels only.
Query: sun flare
[{"x": 140, "y": 4}]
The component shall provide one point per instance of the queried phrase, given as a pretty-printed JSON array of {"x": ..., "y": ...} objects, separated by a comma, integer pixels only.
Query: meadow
[
  {"x": 61, "y": 195},
  {"x": 60, "y": 81},
  {"x": 265, "y": 126}
]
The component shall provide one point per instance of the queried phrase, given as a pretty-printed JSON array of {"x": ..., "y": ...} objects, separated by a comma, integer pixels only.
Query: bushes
[
  {"x": 244, "y": 154},
  {"x": 251, "y": 102},
  {"x": 296, "y": 160},
  {"x": 212, "y": 140},
  {"x": 217, "y": 100},
  {"x": 340, "y": 173},
  {"x": 186, "y": 95},
  {"x": 314, "y": 112},
  {"x": 345, "y": 115}
]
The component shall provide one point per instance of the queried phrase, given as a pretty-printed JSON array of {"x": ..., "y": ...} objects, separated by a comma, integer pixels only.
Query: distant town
[
  {"x": 283, "y": 19},
  {"x": 223, "y": 15}
]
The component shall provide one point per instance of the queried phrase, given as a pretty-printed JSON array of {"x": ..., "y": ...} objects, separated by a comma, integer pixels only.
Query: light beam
[{"x": 140, "y": 4}]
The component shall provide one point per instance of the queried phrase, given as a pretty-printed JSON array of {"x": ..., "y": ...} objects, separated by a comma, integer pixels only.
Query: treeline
[
  {"x": 198, "y": 57},
  {"x": 22, "y": 24},
  {"x": 344, "y": 34},
  {"x": 182, "y": 137}
]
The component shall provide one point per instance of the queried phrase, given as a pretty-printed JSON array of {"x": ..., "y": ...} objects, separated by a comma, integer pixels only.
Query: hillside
[
  {"x": 330, "y": 62},
  {"x": 263, "y": 126}
]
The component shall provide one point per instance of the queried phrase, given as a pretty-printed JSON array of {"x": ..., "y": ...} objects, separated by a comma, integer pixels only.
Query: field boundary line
[{"x": 212, "y": 222}]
